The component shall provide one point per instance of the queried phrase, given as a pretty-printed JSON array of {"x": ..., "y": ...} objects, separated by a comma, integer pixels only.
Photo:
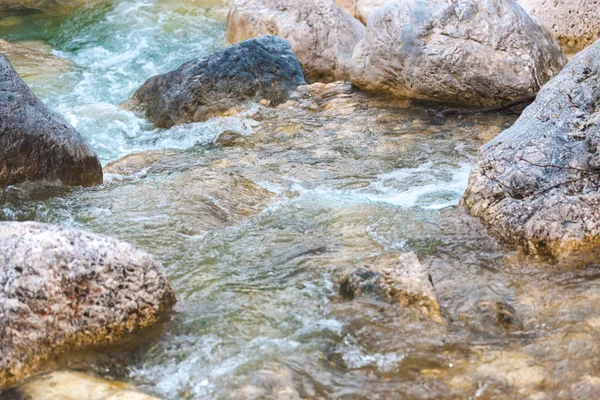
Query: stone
[
  {"x": 63, "y": 289},
  {"x": 536, "y": 184},
  {"x": 33, "y": 65},
  {"x": 48, "y": 6},
  {"x": 322, "y": 35},
  {"x": 361, "y": 9},
  {"x": 575, "y": 23},
  {"x": 468, "y": 52},
  {"x": 71, "y": 385},
  {"x": 135, "y": 163},
  {"x": 37, "y": 144},
  {"x": 400, "y": 279},
  {"x": 256, "y": 69}
]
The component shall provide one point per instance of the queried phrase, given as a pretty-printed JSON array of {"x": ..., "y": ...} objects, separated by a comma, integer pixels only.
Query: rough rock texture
[
  {"x": 261, "y": 68},
  {"x": 400, "y": 279},
  {"x": 537, "y": 182},
  {"x": 322, "y": 35},
  {"x": 575, "y": 23},
  {"x": 361, "y": 9},
  {"x": 62, "y": 288},
  {"x": 70, "y": 385},
  {"x": 466, "y": 52},
  {"x": 37, "y": 144}
]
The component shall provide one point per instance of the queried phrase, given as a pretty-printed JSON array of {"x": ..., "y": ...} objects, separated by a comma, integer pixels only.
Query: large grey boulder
[
  {"x": 469, "y": 52},
  {"x": 575, "y": 23},
  {"x": 537, "y": 183},
  {"x": 322, "y": 35},
  {"x": 61, "y": 289},
  {"x": 36, "y": 143},
  {"x": 261, "y": 68}
]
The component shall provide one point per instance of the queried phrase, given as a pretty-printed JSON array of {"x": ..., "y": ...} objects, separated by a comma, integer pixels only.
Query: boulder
[
  {"x": 400, "y": 279},
  {"x": 36, "y": 143},
  {"x": 470, "y": 52},
  {"x": 261, "y": 68},
  {"x": 361, "y": 9},
  {"x": 322, "y": 35},
  {"x": 62, "y": 288},
  {"x": 575, "y": 23},
  {"x": 71, "y": 385},
  {"x": 537, "y": 183}
]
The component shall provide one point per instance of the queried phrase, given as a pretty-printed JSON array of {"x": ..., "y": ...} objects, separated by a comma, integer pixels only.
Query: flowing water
[{"x": 255, "y": 234}]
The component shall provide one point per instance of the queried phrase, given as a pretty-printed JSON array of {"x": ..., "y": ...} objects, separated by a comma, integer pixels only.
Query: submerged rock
[
  {"x": 62, "y": 288},
  {"x": 70, "y": 385},
  {"x": 537, "y": 183},
  {"x": 49, "y": 6},
  {"x": 322, "y": 35},
  {"x": 402, "y": 280},
  {"x": 471, "y": 52},
  {"x": 575, "y": 23},
  {"x": 36, "y": 143},
  {"x": 32, "y": 64},
  {"x": 261, "y": 68}
]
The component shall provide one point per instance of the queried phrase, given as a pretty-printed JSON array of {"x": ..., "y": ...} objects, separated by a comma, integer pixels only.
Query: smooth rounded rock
[
  {"x": 536, "y": 184},
  {"x": 37, "y": 144},
  {"x": 322, "y": 35},
  {"x": 467, "y": 52},
  {"x": 256, "y": 69},
  {"x": 61, "y": 289}
]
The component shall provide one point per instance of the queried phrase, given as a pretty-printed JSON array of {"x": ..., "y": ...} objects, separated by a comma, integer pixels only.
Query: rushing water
[{"x": 255, "y": 236}]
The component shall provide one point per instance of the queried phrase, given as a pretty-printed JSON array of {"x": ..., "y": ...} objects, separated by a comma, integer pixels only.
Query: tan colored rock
[
  {"x": 70, "y": 385},
  {"x": 135, "y": 163},
  {"x": 34, "y": 65},
  {"x": 473, "y": 53},
  {"x": 361, "y": 9},
  {"x": 62, "y": 289},
  {"x": 400, "y": 279},
  {"x": 322, "y": 35},
  {"x": 575, "y": 23}
]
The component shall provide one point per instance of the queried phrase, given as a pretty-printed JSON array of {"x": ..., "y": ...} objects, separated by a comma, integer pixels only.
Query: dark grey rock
[
  {"x": 61, "y": 288},
  {"x": 37, "y": 144},
  {"x": 536, "y": 184},
  {"x": 261, "y": 68}
]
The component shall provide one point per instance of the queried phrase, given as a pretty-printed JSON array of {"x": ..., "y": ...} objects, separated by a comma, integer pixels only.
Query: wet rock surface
[
  {"x": 575, "y": 23},
  {"x": 71, "y": 385},
  {"x": 36, "y": 143},
  {"x": 34, "y": 65},
  {"x": 536, "y": 184},
  {"x": 48, "y": 6},
  {"x": 322, "y": 35},
  {"x": 401, "y": 279},
  {"x": 473, "y": 53},
  {"x": 63, "y": 288},
  {"x": 261, "y": 68}
]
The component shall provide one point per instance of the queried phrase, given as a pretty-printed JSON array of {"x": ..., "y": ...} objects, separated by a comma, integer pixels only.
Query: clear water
[{"x": 255, "y": 261}]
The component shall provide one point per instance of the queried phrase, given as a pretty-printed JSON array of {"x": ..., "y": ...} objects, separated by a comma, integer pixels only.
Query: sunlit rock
[
  {"x": 473, "y": 53},
  {"x": 261, "y": 68},
  {"x": 70, "y": 385},
  {"x": 361, "y": 9},
  {"x": 322, "y": 35},
  {"x": 34, "y": 65},
  {"x": 62, "y": 288},
  {"x": 401, "y": 279},
  {"x": 37, "y": 144},
  {"x": 137, "y": 162},
  {"x": 537, "y": 183},
  {"x": 575, "y": 23}
]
